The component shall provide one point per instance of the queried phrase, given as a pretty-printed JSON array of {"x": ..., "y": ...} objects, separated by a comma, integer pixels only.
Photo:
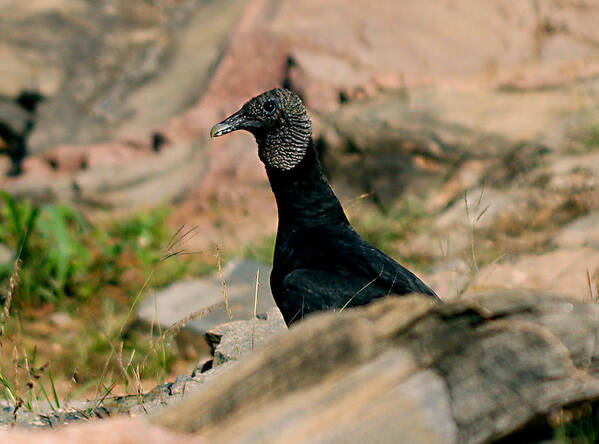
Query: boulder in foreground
[
  {"x": 500, "y": 365},
  {"x": 403, "y": 370}
]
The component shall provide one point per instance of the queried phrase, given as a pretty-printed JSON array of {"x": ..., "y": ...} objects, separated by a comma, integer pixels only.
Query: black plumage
[{"x": 320, "y": 262}]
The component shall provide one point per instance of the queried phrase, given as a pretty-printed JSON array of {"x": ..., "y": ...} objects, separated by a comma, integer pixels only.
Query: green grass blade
[
  {"x": 54, "y": 391},
  {"x": 14, "y": 212},
  {"x": 60, "y": 233},
  {"x": 46, "y": 396},
  {"x": 31, "y": 220},
  {"x": 9, "y": 390}
]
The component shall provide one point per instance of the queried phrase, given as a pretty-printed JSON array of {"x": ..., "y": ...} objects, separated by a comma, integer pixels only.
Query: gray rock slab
[
  {"x": 231, "y": 341},
  {"x": 145, "y": 182},
  {"x": 204, "y": 298},
  {"x": 405, "y": 370}
]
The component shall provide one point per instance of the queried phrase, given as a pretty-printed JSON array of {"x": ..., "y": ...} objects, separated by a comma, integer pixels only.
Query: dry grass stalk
[
  {"x": 361, "y": 290},
  {"x": 592, "y": 288},
  {"x": 177, "y": 326},
  {"x": 107, "y": 392},
  {"x": 255, "y": 306},
  {"x": 173, "y": 248},
  {"x": 223, "y": 283},
  {"x": 13, "y": 285},
  {"x": 473, "y": 223},
  {"x": 349, "y": 205}
]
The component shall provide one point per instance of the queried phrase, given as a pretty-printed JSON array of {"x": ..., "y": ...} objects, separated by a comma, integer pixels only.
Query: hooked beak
[{"x": 232, "y": 123}]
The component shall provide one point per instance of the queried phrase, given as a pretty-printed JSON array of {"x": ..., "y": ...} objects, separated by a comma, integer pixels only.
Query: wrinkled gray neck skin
[{"x": 284, "y": 145}]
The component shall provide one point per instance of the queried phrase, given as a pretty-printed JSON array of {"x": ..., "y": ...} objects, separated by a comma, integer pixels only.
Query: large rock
[
  {"x": 233, "y": 340},
  {"x": 389, "y": 45},
  {"x": 114, "y": 177},
  {"x": 428, "y": 118},
  {"x": 101, "y": 57},
  {"x": 501, "y": 365},
  {"x": 203, "y": 299},
  {"x": 99, "y": 84},
  {"x": 112, "y": 76},
  {"x": 402, "y": 370}
]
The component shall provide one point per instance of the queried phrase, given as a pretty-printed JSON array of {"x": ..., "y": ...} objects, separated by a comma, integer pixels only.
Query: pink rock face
[
  {"x": 337, "y": 50},
  {"x": 112, "y": 431},
  {"x": 332, "y": 52},
  {"x": 357, "y": 48},
  {"x": 74, "y": 158}
]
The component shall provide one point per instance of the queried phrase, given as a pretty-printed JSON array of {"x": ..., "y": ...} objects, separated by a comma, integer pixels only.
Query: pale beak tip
[{"x": 220, "y": 129}]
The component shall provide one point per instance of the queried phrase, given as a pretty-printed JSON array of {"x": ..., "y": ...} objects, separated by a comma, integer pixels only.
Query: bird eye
[{"x": 269, "y": 106}]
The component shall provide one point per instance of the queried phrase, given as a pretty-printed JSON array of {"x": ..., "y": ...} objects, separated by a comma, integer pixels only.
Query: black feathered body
[{"x": 320, "y": 262}]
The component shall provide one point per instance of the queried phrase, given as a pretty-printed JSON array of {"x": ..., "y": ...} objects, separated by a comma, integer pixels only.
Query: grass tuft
[{"x": 92, "y": 277}]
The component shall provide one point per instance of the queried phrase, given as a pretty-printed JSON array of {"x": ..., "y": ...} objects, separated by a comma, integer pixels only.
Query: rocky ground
[{"x": 228, "y": 343}]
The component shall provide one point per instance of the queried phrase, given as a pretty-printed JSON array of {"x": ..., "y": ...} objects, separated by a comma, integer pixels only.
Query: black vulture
[{"x": 320, "y": 262}]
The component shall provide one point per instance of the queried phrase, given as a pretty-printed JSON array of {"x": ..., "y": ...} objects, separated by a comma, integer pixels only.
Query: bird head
[{"x": 278, "y": 120}]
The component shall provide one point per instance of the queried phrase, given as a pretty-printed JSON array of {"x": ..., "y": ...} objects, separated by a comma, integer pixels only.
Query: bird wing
[
  {"x": 336, "y": 269},
  {"x": 306, "y": 290},
  {"x": 366, "y": 262}
]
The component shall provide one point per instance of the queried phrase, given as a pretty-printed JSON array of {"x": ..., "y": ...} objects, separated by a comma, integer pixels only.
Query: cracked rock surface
[{"x": 499, "y": 365}]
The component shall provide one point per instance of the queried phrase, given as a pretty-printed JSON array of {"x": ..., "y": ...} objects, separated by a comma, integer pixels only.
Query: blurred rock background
[{"x": 461, "y": 136}]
